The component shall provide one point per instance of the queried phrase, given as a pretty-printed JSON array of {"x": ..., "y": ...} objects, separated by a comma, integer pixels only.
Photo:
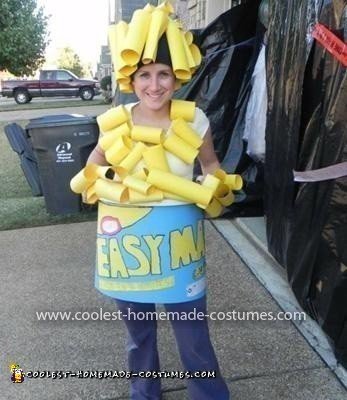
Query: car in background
[{"x": 51, "y": 83}]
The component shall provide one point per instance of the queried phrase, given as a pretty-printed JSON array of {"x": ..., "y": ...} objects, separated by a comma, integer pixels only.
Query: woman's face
[{"x": 154, "y": 85}]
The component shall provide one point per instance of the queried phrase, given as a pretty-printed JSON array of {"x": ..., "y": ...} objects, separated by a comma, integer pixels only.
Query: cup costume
[{"x": 150, "y": 237}]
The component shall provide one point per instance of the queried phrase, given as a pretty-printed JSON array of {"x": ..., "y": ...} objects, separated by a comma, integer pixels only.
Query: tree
[
  {"x": 23, "y": 36},
  {"x": 68, "y": 59}
]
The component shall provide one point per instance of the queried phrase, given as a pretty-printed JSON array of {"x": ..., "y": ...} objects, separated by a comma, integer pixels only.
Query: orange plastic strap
[{"x": 331, "y": 42}]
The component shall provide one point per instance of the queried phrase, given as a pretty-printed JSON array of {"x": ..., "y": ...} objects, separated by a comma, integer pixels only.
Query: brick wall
[
  {"x": 128, "y": 7},
  {"x": 192, "y": 13}
]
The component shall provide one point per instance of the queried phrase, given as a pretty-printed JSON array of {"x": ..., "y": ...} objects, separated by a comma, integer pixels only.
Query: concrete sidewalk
[{"x": 51, "y": 269}]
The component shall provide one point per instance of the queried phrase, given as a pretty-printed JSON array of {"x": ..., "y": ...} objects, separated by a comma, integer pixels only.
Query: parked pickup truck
[{"x": 57, "y": 82}]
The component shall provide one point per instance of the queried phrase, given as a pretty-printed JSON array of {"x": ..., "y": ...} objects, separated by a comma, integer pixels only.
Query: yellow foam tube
[
  {"x": 123, "y": 129},
  {"x": 136, "y": 184},
  {"x": 149, "y": 7},
  {"x": 189, "y": 56},
  {"x": 172, "y": 196},
  {"x": 79, "y": 182},
  {"x": 186, "y": 132},
  {"x": 181, "y": 149},
  {"x": 112, "y": 118},
  {"x": 91, "y": 196},
  {"x": 101, "y": 172},
  {"x": 141, "y": 174},
  {"x": 227, "y": 199},
  {"x": 119, "y": 150},
  {"x": 112, "y": 191},
  {"x": 182, "y": 109},
  {"x": 121, "y": 173},
  {"x": 167, "y": 7},
  {"x": 211, "y": 182},
  {"x": 222, "y": 190},
  {"x": 83, "y": 179},
  {"x": 133, "y": 157},
  {"x": 214, "y": 209},
  {"x": 153, "y": 195},
  {"x": 157, "y": 27},
  {"x": 122, "y": 79},
  {"x": 194, "y": 49},
  {"x": 147, "y": 134},
  {"x": 155, "y": 157},
  {"x": 179, "y": 61},
  {"x": 189, "y": 37},
  {"x": 220, "y": 174},
  {"x": 234, "y": 181},
  {"x": 120, "y": 66},
  {"x": 105, "y": 142},
  {"x": 136, "y": 37},
  {"x": 110, "y": 137},
  {"x": 180, "y": 186}
]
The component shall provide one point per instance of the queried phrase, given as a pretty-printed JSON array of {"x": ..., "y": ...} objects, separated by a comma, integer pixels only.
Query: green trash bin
[{"x": 62, "y": 144}]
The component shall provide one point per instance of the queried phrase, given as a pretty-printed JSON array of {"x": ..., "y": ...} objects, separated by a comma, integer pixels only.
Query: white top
[{"x": 176, "y": 165}]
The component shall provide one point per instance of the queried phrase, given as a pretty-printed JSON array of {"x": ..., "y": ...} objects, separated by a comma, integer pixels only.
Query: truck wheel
[
  {"x": 87, "y": 93},
  {"x": 22, "y": 96}
]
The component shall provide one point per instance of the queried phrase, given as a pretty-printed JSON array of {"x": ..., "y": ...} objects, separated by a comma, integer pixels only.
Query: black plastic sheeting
[
  {"x": 307, "y": 129},
  {"x": 221, "y": 87},
  {"x": 227, "y": 47}
]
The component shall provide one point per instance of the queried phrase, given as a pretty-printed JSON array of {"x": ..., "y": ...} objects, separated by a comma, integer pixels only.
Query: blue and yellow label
[{"x": 151, "y": 254}]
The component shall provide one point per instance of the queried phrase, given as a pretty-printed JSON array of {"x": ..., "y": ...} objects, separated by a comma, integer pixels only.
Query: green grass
[
  {"x": 50, "y": 104},
  {"x": 19, "y": 209}
]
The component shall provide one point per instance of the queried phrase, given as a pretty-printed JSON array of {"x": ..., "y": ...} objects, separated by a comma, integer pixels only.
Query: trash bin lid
[{"x": 60, "y": 120}]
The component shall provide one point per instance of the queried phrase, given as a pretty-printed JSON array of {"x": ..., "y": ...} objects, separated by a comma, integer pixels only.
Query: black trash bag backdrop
[
  {"x": 307, "y": 129},
  {"x": 221, "y": 88}
]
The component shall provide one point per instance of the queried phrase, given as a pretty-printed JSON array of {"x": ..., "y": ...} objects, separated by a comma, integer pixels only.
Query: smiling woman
[
  {"x": 150, "y": 235},
  {"x": 154, "y": 85}
]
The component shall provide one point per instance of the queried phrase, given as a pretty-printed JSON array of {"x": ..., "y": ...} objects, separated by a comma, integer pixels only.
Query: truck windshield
[{"x": 73, "y": 75}]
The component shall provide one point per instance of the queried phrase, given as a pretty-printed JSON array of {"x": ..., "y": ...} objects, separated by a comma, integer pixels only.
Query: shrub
[{"x": 106, "y": 82}]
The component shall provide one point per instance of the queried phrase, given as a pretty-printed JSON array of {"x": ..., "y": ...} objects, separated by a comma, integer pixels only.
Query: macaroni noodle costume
[
  {"x": 150, "y": 245},
  {"x": 150, "y": 237}
]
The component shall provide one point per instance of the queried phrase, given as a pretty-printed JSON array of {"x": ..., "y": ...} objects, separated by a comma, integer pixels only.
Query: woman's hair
[{"x": 163, "y": 56}]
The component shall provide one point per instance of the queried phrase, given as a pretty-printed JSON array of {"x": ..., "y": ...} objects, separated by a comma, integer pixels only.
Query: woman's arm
[
  {"x": 207, "y": 156},
  {"x": 97, "y": 156}
]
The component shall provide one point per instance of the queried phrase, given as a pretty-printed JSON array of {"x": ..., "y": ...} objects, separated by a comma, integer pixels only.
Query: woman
[{"x": 154, "y": 85}]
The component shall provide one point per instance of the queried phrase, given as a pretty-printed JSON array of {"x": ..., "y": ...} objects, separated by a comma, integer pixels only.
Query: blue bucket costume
[{"x": 155, "y": 259}]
